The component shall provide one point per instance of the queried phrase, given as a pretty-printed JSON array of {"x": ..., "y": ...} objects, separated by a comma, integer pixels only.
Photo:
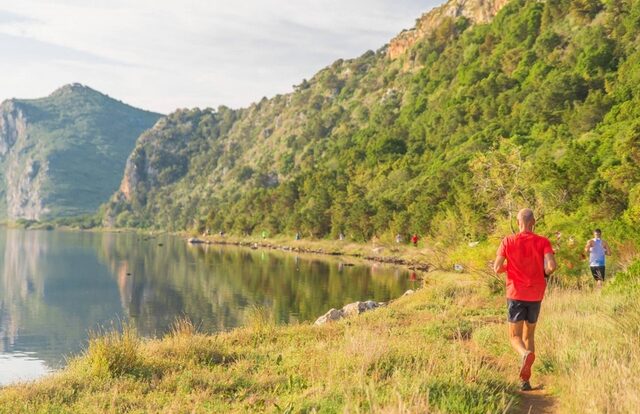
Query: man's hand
[
  {"x": 550, "y": 264},
  {"x": 588, "y": 247}
]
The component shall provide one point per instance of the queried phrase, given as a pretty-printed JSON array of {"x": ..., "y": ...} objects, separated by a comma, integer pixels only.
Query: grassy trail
[{"x": 538, "y": 401}]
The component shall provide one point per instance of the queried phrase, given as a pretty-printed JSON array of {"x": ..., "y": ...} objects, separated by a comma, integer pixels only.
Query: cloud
[
  {"x": 21, "y": 50},
  {"x": 8, "y": 17},
  {"x": 167, "y": 54}
]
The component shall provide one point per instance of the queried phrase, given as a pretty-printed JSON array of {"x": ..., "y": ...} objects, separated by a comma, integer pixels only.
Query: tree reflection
[{"x": 58, "y": 285}]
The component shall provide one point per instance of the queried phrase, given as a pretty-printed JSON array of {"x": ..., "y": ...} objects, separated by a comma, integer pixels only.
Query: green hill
[
  {"x": 63, "y": 155},
  {"x": 446, "y": 131}
]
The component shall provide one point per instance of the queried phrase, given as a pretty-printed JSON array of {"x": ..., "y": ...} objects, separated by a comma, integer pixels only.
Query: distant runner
[
  {"x": 414, "y": 240},
  {"x": 597, "y": 249},
  {"x": 529, "y": 261}
]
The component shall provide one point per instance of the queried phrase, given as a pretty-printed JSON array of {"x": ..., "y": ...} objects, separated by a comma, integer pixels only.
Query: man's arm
[
  {"x": 498, "y": 265},
  {"x": 607, "y": 250},
  {"x": 588, "y": 246},
  {"x": 550, "y": 264}
]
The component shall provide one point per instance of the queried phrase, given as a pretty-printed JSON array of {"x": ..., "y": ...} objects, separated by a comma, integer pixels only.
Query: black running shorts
[
  {"x": 597, "y": 272},
  {"x": 522, "y": 310}
]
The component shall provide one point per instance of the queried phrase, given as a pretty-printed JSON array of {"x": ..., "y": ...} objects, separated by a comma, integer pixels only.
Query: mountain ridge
[{"x": 56, "y": 151}]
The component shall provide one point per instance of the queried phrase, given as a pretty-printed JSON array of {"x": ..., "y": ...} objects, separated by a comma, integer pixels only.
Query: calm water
[{"x": 55, "y": 287}]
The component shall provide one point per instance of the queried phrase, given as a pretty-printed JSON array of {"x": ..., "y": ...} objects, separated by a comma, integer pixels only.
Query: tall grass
[
  {"x": 407, "y": 357},
  {"x": 443, "y": 349},
  {"x": 115, "y": 353},
  {"x": 591, "y": 347}
]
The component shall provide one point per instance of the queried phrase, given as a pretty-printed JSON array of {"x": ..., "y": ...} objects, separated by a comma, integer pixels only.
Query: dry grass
[
  {"x": 408, "y": 357},
  {"x": 588, "y": 348},
  {"x": 441, "y": 350},
  {"x": 592, "y": 350}
]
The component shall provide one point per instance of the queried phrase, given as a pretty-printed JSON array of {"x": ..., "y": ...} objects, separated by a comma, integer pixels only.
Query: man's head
[
  {"x": 597, "y": 233},
  {"x": 526, "y": 220}
]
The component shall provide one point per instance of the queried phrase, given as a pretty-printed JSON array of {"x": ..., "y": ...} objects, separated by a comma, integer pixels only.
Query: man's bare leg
[
  {"x": 528, "y": 336},
  {"x": 521, "y": 335},
  {"x": 516, "y": 337}
]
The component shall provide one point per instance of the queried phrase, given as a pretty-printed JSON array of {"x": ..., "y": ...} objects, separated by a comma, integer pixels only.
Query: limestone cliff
[
  {"x": 62, "y": 155},
  {"x": 477, "y": 11}
]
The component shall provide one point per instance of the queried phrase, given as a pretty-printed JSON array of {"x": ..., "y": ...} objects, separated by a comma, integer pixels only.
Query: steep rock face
[
  {"x": 476, "y": 11},
  {"x": 62, "y": 155},
  {"x": 12, "y": 125}
]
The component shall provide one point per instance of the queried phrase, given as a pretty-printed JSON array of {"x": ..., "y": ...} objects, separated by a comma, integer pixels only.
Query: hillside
[
  {"x": 63, "y": 155},
  {"x": 460, "y": 122}
]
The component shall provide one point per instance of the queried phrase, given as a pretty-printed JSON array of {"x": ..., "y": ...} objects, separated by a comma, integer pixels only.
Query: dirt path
[{"x": 537, "y": 401}]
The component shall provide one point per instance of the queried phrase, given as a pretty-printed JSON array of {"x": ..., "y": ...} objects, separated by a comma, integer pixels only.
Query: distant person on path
[
  {"x": 597, "y": 249},
  {"x": 398, "y": 238},
  {"x": 529, "y": 261},
  {"x": 341, "y": 236},
  {"x": 414, "y": 240}
]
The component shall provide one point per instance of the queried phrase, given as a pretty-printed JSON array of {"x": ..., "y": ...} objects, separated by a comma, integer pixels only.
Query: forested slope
[
  {"x": 539, "y": 107},
  {"x": 63, "y": 155}
]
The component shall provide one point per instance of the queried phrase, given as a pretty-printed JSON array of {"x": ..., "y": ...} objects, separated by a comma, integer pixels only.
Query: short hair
[
  {"x": 598, "y": 231},
  {"x": 526, "y": 215}
]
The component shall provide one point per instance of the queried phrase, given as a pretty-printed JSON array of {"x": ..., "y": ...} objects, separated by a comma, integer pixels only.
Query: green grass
[
  {"x": 402, "y": 358},
  {"x": 443, "y": 350}
]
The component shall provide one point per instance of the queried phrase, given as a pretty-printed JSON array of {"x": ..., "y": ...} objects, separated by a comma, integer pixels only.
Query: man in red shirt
[{"x": 529, "y": 261}]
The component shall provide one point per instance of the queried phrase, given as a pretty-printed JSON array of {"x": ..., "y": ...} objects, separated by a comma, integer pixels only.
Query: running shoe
[
  {"x": 525, "y": 386},
  {"x": 527, "y": 362}
]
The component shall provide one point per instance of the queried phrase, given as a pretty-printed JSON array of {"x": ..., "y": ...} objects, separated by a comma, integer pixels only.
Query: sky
[{"x": 162, "y": 55}]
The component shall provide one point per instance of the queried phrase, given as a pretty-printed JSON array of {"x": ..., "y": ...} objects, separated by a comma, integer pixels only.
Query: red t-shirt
[{"x": 525, "y": 265}]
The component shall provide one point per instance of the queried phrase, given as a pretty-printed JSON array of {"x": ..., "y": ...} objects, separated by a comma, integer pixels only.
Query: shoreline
[
  {"x": 317, "y": 247},
  {"x": 405, "y": 255}
]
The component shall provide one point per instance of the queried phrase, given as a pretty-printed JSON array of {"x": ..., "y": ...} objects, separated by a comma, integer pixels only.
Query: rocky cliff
[
  {"x": 476, "y": 11},
  {"x": 62, "y": 155}
]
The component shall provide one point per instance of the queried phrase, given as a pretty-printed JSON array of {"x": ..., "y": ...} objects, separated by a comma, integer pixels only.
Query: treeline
[{"x": 539, "y": 108}]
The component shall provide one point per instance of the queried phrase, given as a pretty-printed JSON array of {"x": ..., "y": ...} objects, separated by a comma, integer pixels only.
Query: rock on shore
[{"x": 351, "y": 309}]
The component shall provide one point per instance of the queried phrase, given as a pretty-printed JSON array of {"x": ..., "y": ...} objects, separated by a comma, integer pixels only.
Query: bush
[
  {"x": 116, "y": 354},
  {"x": 627, "y": 281}
]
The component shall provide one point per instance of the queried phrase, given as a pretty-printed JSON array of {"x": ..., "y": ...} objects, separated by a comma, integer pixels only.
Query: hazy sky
[{"x": 162, "y": 55}]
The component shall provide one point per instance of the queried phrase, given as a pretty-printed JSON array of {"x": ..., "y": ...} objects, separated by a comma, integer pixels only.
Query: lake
[{"x": 56, "y": 287}]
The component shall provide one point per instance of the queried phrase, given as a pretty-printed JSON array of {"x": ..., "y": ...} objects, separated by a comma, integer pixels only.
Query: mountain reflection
[{"x": 56, "y": 286}]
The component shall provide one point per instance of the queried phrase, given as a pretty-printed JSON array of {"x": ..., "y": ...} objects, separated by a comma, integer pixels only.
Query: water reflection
[
  {"x": 20, "y": 367},
  {"x": 55, "y": 286}
]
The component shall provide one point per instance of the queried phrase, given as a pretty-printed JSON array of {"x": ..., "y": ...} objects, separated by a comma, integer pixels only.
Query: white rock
[
  {"x": 332, "y": 315},
  {"x": 409, "y": 292},
  {"x": 352, "y": 309},
  {"x": 349, "y": 310}
]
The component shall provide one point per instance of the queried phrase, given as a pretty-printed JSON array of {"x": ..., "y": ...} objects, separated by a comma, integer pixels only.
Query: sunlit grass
[
  {"x": 442, "y": 350},
  {"x": 407, "y": 357}
]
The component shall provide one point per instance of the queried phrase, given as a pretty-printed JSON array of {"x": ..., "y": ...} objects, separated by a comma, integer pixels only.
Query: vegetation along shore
[{"x": 441, "y": 349}]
